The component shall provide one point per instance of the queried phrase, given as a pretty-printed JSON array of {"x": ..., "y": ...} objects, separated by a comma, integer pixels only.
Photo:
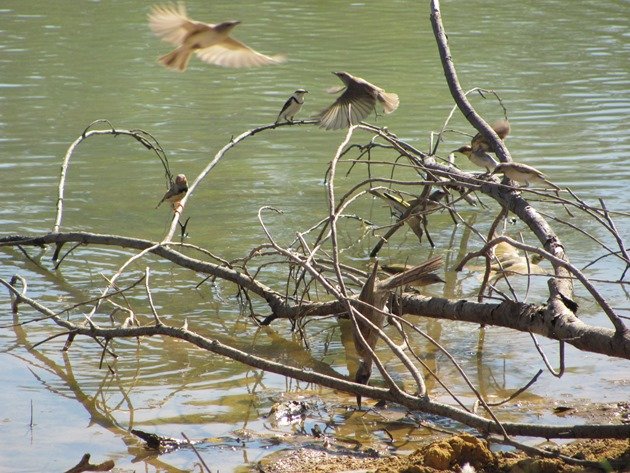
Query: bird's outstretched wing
[
  {"x": 349, "y": 109},
  {"x": 171, "y": 23},
  {"x": 233, "y": 53}
]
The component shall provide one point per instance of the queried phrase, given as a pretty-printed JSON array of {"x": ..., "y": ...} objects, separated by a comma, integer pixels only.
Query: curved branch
[
  {"x": 217, "y": 157},
  {"x": 138, "y": 135},
  {"x": 274, "y": 299},
  {"x": 456, "y": 91},
  {"x": 511, "y": 199}
]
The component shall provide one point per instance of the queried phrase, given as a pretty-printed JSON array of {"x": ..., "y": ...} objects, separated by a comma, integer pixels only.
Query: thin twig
[
  {"x": 196, "y": 453},
  {"x": 150, "y": 297}
]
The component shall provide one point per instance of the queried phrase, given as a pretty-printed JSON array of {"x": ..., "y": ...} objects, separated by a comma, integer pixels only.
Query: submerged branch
[{"x": 423, "y": 404}]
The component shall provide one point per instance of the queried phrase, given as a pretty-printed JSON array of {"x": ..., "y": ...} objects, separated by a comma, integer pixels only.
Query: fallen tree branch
[
  {"x": 413, "y": 402},
  {"x": 541, "y": 320}
]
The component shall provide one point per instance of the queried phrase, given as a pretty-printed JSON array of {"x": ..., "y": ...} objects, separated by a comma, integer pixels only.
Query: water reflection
[{"x": 560, "y": 71}]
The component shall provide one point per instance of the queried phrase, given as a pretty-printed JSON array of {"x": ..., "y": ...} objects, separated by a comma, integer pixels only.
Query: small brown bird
[
  {"x": 477, "y": 151},
  {"x": 524, "y": 174},
  {"x": 211, "y": 43},
  {"x": 356, "y": 102},
  {"x": 500, "y": 127},
  {"x": 478, "y": 158},
  {"x": 376, "y": 293},
  {"x": 176, "y": 192},
  {"x": 416, "y": 206},
  {"x": 413, "y": 212}
]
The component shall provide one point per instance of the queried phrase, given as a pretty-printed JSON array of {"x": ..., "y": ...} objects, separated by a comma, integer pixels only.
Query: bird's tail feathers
[
  {"x": 501, "y": 128},
  {"x": 389, "y": 100},
  {"x": 177, "y": 59}
]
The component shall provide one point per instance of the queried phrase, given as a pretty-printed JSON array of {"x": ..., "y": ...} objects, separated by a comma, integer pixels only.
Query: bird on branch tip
[
  {"x": 292, "y": 106},
  {"x": 211, "y": 43},
  {"x": 358, "y": 100}
]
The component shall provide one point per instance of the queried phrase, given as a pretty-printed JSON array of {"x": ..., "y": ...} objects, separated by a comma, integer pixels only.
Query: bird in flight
[
  {"x": 292, "y": 106},
  {"x": 356, "y": 102},
  {"x": 211, "y": 43}
]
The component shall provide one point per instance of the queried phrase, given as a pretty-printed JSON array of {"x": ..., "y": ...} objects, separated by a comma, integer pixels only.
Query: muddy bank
[{"x": 450, "y": 454}]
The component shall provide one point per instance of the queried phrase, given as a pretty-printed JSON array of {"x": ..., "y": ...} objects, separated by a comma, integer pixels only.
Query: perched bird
[
  {"x": 418, "y": 206},
  {"x": 176, "y": 192},
  {"x": 500, "y": 127},
  {"x": 413, "y": 212},
  {"x": 376, "y": 300},
  {"x": 211, "y": 43},
  {"x": 508, "y": 261},
  {"x": 479, "y": 158},
  {"x": 477, "y": 151},
  {"x": 376, "y": 293},
  {"x": 292, "y": 106},
  {"x": 356, "y": 102},
  {"x": 524, "y": 174}
]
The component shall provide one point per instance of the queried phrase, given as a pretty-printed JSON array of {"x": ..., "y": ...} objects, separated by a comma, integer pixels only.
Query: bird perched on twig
[
  {"x": 211, "y": 43},
  {"x": 375, "y": 293},
  {"x": 413, "y": 212},
  {"x": 292, "y": 106},
  {"x": 524, "y": 174},
  {"x": 477, "y": 151},
  {"x": 176, "y": 192},
  {"x": 356, "y": 102},
  {"x": 417, "y": 206}
]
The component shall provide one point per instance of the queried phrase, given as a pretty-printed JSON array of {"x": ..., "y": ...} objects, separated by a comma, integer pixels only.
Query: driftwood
[{"x": 317, "y": 262}]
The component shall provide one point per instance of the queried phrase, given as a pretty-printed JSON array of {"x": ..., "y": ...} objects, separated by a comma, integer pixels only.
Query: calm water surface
[{"x": 563, "y": 74}]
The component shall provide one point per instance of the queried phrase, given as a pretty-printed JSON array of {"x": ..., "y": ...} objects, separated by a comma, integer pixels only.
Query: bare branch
[{"x": 405, "y": 399}]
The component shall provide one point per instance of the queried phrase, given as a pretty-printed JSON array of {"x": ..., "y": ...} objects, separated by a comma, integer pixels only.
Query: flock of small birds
[
  {"x": 478, "y": 154},
  {"x": 213, "y": 44}
]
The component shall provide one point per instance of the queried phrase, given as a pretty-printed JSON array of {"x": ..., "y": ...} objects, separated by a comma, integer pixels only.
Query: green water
[{"x": 563, "y": 73}]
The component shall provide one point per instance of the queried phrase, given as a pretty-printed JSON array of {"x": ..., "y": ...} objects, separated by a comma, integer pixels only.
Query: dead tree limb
[
  {"x": 423, "y": 404},
  {"x": 538, "y": 319}
]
